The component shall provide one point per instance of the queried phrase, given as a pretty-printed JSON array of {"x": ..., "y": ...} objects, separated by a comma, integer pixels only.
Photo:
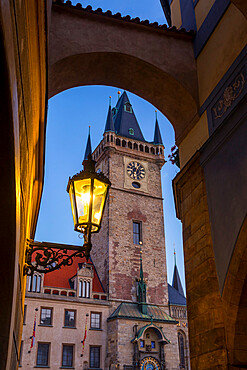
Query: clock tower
[{"x": 133, "y": 219}]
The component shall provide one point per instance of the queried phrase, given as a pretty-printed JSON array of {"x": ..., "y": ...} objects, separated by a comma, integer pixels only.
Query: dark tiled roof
[
  {"x": 131, "y": 311},
  {"x": 88, "y": 147},
  {"x": 176, "y": 282},
  {"x": 127, "y": 18},
  {"x": 157, "y": 134},
  {"x": 125, "y": 121},
  {"x": 175, "y": 297},
  {"x": 109, "y": 126}
]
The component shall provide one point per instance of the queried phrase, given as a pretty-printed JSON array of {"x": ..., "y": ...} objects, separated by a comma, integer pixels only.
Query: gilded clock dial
[{"x": 135, "y": 170}]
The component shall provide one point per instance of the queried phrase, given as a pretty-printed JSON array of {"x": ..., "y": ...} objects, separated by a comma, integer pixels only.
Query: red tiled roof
[
  {"x": 126, "y": 18},
  {"x": 60, "y": 278}
]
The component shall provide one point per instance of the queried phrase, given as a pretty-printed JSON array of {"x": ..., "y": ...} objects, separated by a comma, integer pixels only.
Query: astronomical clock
[{"x": 149, "y": 363}]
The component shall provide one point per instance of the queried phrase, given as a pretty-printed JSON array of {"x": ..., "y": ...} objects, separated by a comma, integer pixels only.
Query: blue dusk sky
[{"x": 69, "y": 115}]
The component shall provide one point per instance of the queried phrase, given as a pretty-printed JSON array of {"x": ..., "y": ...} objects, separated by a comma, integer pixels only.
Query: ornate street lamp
[{"x": 88, "y": 191}]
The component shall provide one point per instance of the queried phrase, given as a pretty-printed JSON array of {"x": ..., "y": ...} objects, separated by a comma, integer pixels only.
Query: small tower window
[
  {"x": 131, "y": 131},
  {"x": 146, "y": 149},
  {"x": 129, "y": 144},
  {"x": 141, "y": 148},
  {"x": 118, "y": 143},
  {"x": 135, "y": 146},
  {"x": 137, "y": 237},
  {"x": 128, "y": 108},
  {"x": 123, "y": 143}
]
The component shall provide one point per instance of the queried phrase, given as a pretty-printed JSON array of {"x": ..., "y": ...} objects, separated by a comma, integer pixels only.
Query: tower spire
[
  {"x": 157, "y": 134},
  {"x": 109, "y": 126},
  {"x": 176, "y": 282},
  {"x": 125, "y": 121},
  {"x": 88, "y": 150},
  {"x": 142, "y": 289}
]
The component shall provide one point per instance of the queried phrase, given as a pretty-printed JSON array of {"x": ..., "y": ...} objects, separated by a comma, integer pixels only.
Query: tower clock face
[{"x": 135, "y": 170}]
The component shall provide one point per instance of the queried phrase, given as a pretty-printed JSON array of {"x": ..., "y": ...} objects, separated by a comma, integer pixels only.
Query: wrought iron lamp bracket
[{"x": 44, "y": 257}]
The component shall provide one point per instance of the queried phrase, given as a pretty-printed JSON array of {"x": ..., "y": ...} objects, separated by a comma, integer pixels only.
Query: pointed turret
[
  {"x": 88, "y": 147},
  {"x": 142, "y": 299},
  {"x": 109, "y": 126},
  {"x": 176, "y": 282},
  {"x": 125, "y": 121},
  {"x": 157, "y": 134}
]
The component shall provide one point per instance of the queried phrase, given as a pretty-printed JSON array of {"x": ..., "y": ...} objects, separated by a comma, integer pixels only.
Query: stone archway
[{"x": 88, "y": 48}]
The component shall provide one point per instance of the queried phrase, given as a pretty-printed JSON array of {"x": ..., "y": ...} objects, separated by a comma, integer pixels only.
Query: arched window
[
  {"x": 88, "y": 289},
  {"x": 34, "y": 283},
  {"x": 146, "y": 149},
  {"x": 111, "y": 138},
  {"x": 123, "y": 143},
  {"x": 84, "y": 289},
  {"x": 107, "y": 138},
  {"x": 118, "y": 142},
  {"x": 157, "y": 150},
  {"x": 135, "y": 146},
  {"x": 141, "y": 148},
  {"x": 152, "y": 151},
  {"x": 130, "y": 145},
  {"x": 181, "y": 347}
]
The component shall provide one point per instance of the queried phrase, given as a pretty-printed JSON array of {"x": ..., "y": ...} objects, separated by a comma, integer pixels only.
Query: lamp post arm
[{"x": 44, "y": 257}]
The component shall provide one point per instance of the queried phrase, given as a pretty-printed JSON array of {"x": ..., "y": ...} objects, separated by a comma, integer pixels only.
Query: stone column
[
  {"x": 162, "y": 356},
  {"x": 204, "y": 302}
]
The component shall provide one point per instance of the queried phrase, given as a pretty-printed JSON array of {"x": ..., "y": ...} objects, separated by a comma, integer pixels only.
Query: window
[
  {"x": 25, "y": 314},
  {"x": 95, "y": 320},
  {"x": 46, "y": 316},
  {"x": 152, "y": 344},
  {"x": 181, "y": 351},
  {"x": 137, "y": 232},
  {"x": 142, "y": 343},
  {"x": 67, "y": 360},
  {"x": 128, "y": 108},
  {"x": 20, "y": 355},
  {"x": 69, "y": 318},
  {"x": 43, "y": 354},
  {"x": 94, "y": 357},
  {"x": 84, "y": 289},
  {"x": 34, "y": 283}
]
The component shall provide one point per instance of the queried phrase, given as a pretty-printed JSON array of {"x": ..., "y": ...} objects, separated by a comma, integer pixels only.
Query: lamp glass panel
[
  {"x": 82, "y": 195},
  {"x": 72, "y": 202},
  {"x": 99, "y": 196}
]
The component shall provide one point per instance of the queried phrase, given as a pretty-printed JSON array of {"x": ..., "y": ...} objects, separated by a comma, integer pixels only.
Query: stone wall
[
  {"x": 115, "y": 240},
  {"x": 205, "y": 306}
]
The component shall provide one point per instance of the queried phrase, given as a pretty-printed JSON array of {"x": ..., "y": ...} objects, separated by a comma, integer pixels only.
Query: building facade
[{"x": 134, "y": 318}]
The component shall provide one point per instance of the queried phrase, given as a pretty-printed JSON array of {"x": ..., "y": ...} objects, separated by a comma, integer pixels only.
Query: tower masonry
[{"x": 134, "y": 217}]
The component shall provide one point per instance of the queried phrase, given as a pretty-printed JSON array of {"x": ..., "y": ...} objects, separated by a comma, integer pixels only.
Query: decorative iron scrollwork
[{"x": 46, "y": 257}]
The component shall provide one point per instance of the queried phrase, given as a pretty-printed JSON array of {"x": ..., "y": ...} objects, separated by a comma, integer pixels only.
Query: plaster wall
[
  {"x": 57, "y": 334},
  {"x": 24, "y": 39},
  {"x": 176, "y": 13},
  {"x": 222, "y": 48},
  {"x": 202, "y": 9},
  {"x": 194, "y": 140}
]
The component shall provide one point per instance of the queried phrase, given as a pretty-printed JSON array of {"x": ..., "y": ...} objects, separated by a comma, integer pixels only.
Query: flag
[
  {"x": 85, "y": 336},
  {"x": 34, "y": 331}
]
